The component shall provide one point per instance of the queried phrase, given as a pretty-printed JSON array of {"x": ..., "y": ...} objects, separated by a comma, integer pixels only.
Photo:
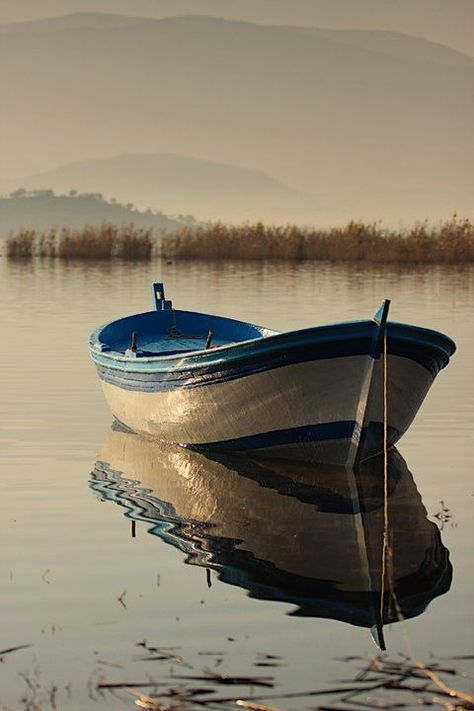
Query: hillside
[
  {"x": 43, "y": 210},
  {"x": 379, "y": 125},
  {"x": 445, "y": 21},
  {"x": 203, "y": 188},
  {"x": 388, "y": 42}
]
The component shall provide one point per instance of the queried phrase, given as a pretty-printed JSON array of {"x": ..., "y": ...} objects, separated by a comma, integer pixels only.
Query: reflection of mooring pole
[
  {"x": 134, "y": 523},
  {"x": 380, "y": 350},
  {"x": 208, "y": 578}
]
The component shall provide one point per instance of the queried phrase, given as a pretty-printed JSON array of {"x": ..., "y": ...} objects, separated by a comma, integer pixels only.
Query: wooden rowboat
[{"x": 217, "y": 384}]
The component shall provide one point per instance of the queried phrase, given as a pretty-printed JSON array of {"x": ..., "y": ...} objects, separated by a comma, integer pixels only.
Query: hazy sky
[
  {"x": 369, "y": 124},
  {"x": 446, "y": 21}
]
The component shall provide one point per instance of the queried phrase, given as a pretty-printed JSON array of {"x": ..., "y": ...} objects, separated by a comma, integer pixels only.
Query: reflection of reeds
[
  {"x": 448, "y": 243},
  {"x": 104, "y": 242}
]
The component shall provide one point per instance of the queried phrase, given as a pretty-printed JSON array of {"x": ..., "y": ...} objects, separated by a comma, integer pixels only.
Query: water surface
[{"x": 75, "y": 583}]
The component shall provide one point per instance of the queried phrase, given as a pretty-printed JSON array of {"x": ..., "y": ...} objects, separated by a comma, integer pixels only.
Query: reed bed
[
  {"x": 450, "y": 242},
  {"x": 106, "y": 241}
]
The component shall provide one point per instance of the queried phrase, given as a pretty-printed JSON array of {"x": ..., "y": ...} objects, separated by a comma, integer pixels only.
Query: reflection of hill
[
  {"x": 310, "y": 537},
  {"x": 45, "y": 210},
  {"x": 176, "y": 184},
  {"x": 369, "y": 124}
]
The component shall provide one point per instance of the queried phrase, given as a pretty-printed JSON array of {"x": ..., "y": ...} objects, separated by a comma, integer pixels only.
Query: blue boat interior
[{"x": 168, "y": 331}]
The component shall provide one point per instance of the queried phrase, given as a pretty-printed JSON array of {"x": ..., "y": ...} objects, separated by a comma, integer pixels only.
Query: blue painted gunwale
[{"x": 262, "y": 349}]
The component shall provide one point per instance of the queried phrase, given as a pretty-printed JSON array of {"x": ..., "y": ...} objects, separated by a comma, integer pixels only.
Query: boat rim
[{"x": 95, "y": 343}]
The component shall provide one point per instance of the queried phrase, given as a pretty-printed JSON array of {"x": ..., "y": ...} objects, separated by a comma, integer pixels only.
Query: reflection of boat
[
  {"x": 216, "y": 384},
  {"x": 311, "y": 537}
]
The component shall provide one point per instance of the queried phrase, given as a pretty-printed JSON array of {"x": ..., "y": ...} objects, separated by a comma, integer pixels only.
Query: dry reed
[
  {"x": 380, "y": 683},
  {"x": 450, "y": 242},
  {"x": 106, "y": 241}
]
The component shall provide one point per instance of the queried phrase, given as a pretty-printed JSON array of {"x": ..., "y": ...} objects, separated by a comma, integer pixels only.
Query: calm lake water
[{"x": 89, "y": 568}]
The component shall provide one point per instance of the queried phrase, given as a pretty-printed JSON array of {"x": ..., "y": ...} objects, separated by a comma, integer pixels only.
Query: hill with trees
[{"x": 43, "y": 210}]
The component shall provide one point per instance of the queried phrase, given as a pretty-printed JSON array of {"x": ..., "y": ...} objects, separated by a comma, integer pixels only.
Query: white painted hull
[
  {"x": 263, "y": 409},
  {"x": 315, "y": 393}
]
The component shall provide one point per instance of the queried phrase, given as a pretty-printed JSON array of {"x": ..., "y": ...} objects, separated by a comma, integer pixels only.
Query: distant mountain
[
  {"x": 177, "y": 183},
  {"x": 331, "y": 113},
  {"x": 43, "y": 210},
  {"x": 446, "y": 21},
  {"x": 75, "y": 21},
  {"x": 396, "y": 44}
]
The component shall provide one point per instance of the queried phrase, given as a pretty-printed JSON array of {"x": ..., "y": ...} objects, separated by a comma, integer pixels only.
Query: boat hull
[
  {"x": 316, "y": 393},
  {"x": 268, "y": 412}
]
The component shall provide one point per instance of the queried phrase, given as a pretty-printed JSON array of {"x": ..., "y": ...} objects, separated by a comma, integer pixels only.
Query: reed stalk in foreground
[
  {"x": 448, "y": 243},
  {"x": 106, "y": 241}
]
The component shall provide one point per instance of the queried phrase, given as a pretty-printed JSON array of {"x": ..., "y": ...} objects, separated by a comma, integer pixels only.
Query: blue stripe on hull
[
  {"x": 427, "y": 348},
  {"x": 340, "y": 434},
  {"x": 295, "y": 435},
  {"x": 327, "y": 432},
  {"x": 158, "y": 381}
]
